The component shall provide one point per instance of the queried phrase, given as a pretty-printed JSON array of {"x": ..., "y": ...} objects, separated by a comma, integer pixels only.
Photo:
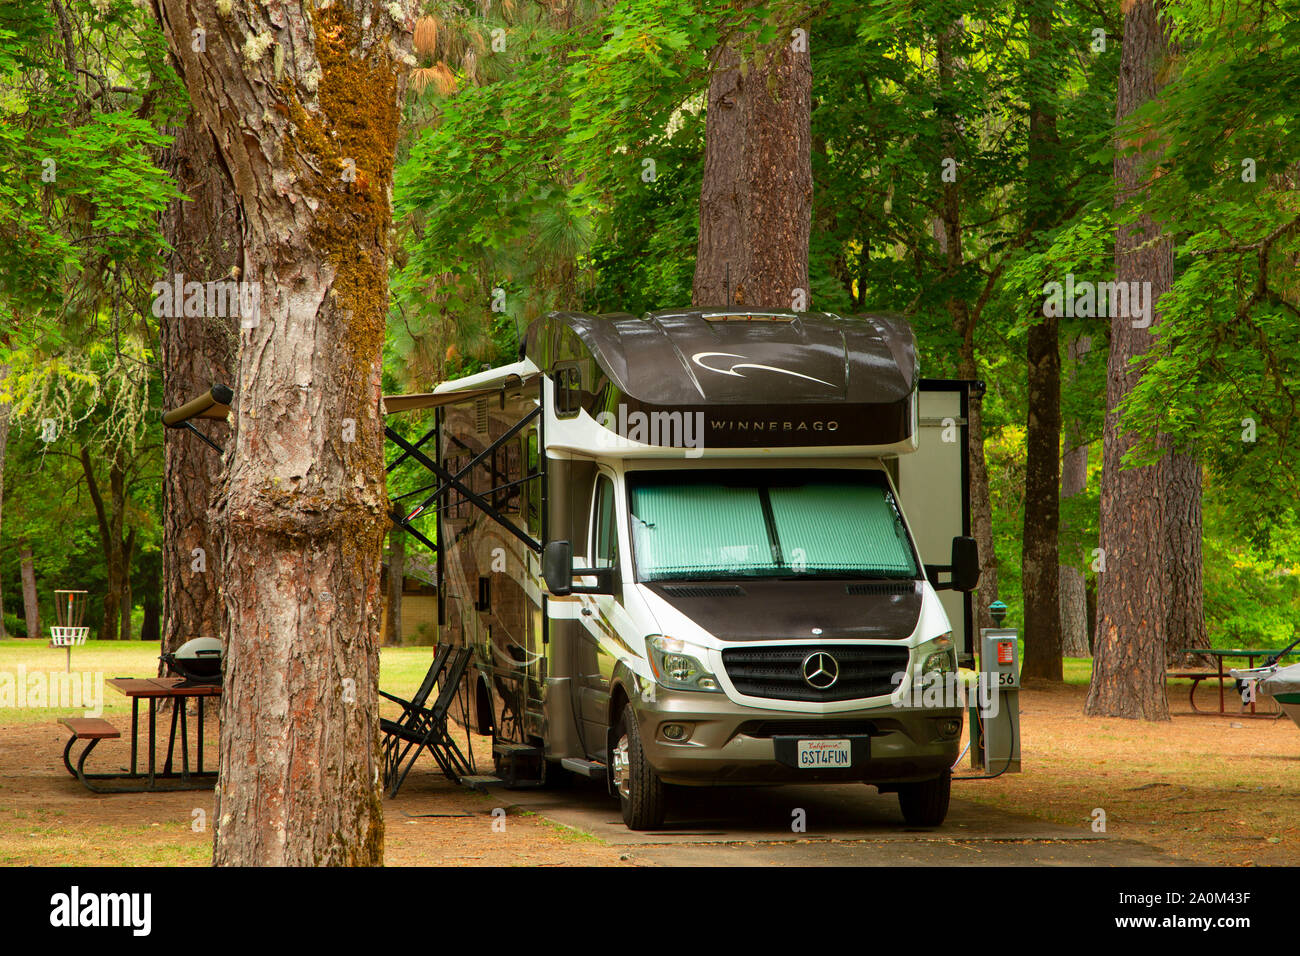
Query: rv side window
[
  {"x": 568, "y": 392},
  {"x": 534, "y": 487},
  {"x": 605, "y": 532}
]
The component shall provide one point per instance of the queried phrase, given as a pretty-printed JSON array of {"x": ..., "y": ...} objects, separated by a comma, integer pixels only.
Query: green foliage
[
  {"x": 1252, "y": 594},
  {"x": 523, "y": 186},
  {"x": 47, "y": 508},
  {"x": 534, "y": 182},
  {"x": 84, "y": 96},
  {"x": 1226, "y": 382},
  {"x": 87, "y": 92}
]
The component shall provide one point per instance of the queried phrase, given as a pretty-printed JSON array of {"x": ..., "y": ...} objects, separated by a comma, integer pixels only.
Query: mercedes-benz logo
[{"x": 820, "y": 670}]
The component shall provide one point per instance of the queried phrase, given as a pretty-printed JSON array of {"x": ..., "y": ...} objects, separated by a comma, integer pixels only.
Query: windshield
[{"x": 766, "y": 523}]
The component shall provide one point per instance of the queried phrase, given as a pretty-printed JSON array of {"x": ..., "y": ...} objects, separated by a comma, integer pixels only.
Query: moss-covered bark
[{"x": 302, "y": 102}]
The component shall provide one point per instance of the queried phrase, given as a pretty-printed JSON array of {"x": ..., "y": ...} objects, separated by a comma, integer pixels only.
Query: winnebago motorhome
[{"x": 702, "y": 548}]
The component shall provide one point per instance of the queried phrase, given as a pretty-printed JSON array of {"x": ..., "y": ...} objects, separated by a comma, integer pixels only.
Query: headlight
[
  {"x": 938, "y": 656},
  {"x": 677, "y": 665}
]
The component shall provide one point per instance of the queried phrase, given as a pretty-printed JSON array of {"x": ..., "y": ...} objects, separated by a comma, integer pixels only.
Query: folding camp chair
[
  {"x": 392, "y": 742},
  {"x": 426, "y": 729}
]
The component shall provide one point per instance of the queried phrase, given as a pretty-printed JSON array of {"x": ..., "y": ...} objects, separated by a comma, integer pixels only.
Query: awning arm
[{"x": 451, "y": 481}]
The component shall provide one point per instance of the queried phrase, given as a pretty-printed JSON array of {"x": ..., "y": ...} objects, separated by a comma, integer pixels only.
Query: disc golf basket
[{"x": 69, "y": 615}]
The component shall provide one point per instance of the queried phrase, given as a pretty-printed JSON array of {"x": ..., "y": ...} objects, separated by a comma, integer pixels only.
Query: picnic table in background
[
  {"x": 152, "y": 689},
  {"x": 1220, "y": 654}
]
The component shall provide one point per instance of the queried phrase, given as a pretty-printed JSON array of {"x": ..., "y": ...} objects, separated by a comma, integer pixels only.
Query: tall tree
[
  {"x": 116, "y": 538},
  {"x": 1074, "y": 479},
  {"x": 1040, "y": 559},
  {"x": 756, "y": 196},
  {"x": 396, "y": 578},
  {"x": 4, "y": 443},
  {"x": 1128, "y": 678},
  {"x": 205, "y": 233},
  {"x": 31, "y": 601},
  {"x": 963, "y": 313},
  {"x": 1185, "y": 620},
  {"x": 301, "y": 101}
]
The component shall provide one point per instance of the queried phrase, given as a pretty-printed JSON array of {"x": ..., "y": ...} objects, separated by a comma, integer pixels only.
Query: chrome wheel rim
[{"x": 623, "y": 769}]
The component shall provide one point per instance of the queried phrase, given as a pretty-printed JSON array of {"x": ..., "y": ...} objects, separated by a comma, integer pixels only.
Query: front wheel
[
  {"x": 641, "y": 794},
  {"x": 926, "y": 804}
]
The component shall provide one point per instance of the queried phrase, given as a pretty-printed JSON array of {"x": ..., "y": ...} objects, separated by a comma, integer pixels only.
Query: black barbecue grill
[{"x": 197, "y": 661}]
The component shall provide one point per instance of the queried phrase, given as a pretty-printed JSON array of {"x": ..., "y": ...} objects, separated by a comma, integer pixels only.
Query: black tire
[
  {"x": 926, "y": 804},
  {"x": 644, "y": 799}
]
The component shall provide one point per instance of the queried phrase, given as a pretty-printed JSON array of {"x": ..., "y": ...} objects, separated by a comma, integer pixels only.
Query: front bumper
[{"x": 731, "y": 743}]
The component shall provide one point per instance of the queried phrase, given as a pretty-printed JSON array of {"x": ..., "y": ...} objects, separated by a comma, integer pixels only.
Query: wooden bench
[
  {"x": 92, "y": 729},
  {"x": 1195, "y": 676}
]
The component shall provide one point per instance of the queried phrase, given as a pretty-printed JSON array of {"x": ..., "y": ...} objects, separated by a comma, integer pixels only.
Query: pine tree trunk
[
  {"x": 302, "y": 508},
  {"x": 1074, "y": 480},
  {"x": 127, "y": 606},
  {"x": 4, "y": 445},
  {"x": 1040, "y": 573},
  {"x": 109, "y": 518},
  {"x": 1128, "y": 677},
  {"x": 151, "y": 622},
  {"x": 1186, "y": 615},
  {"x": 1039, "y": 550},
  {"x": 981, "y": 502},
  {"x": 964, "y": 321},
  {"x": 396, "y": 576},
  {"x": 31, "y": 602},
  {"x": 205, "y": 234},
  {"x": 756, "y": 197},
  {"x": 1074, "y": 613}
]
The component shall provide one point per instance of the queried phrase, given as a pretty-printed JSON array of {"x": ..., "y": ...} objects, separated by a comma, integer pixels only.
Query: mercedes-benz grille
[{"x": 815, "y": 672}]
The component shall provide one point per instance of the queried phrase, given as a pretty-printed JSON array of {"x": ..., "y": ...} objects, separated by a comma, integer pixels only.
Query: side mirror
[
  {"x": 559, "y": 572},
  {"x": 965, "y": 564},
  {"x": 557, "y": 567}
]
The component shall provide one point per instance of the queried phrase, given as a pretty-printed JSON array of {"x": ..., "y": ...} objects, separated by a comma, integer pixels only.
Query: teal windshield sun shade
[
  {"x": 695, "y": 530},
  {"x": 839, "y": 527},
  {"x": 714, "y": 529}
]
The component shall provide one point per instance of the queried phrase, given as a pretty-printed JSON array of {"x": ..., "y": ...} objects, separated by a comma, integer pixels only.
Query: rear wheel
[
  {"x": 641, "y": 793},
  {"x": 926, "y": 804}
]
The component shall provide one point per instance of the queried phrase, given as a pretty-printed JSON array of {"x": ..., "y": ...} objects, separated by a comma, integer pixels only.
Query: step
[
  {"x": 588, "y": 768},
  {"x": 513, "y": 749},
  {"x": 482, "y": 781}
]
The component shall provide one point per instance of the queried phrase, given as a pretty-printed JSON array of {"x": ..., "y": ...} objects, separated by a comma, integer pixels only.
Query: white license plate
[{"x": 824, "y": 754}]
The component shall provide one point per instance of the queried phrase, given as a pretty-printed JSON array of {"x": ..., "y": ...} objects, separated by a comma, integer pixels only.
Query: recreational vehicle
[{"x": 705, "y": 548}]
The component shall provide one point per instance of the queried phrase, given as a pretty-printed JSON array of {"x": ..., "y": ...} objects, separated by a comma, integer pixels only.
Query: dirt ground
[
  {"x": 1213, "y": 790},
  {"x": 47, "y": 817}
]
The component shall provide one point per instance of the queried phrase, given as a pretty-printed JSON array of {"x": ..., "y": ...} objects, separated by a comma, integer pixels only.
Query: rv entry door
[{"x": 934, "y": 487}]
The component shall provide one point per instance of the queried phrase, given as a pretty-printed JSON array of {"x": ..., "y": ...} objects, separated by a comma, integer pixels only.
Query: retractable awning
[
  {"x": 394, "y": 404},
  {"x": 209, "y": 406}
]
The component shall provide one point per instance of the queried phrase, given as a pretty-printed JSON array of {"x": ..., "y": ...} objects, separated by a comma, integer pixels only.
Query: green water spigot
[{"x": 998, "y": 611}]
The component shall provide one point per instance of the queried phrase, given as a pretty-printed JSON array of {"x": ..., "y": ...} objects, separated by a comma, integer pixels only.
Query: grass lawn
[{"x": 400, "y": 671}]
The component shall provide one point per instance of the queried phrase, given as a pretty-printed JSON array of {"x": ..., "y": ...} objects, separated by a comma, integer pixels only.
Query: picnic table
[
  {"x": 152, "y": 689},
  {"x": 1219, "y": 674}
]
